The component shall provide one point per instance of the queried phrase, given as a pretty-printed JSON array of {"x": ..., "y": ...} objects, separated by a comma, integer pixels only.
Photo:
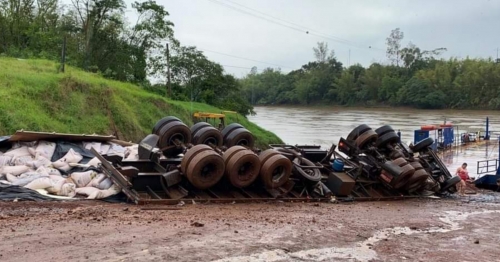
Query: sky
[{"x": 275, "y": 32}]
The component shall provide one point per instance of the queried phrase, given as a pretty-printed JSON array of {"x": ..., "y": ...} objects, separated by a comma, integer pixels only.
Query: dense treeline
[
  {"x": 415, "y": 78},
  {"x": 100, "y": 39}
]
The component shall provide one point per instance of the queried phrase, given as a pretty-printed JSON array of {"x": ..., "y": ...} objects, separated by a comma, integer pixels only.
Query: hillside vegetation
[{"x": 33, "y": 96}]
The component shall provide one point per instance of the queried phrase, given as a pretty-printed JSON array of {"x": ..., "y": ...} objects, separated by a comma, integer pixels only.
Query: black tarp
[{"x": 11, "y": 192}]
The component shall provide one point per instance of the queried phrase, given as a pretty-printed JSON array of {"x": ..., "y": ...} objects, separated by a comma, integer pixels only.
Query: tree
[
  {"x": 394, "y": 45},
  {"x": 321, "y": 52}
]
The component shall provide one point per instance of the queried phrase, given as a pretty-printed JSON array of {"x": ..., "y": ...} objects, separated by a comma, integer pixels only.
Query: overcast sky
[{"x": 465, "y": 27}]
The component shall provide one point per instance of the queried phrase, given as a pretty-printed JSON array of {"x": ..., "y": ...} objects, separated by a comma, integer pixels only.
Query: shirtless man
[{"x": 464, "y": 175}]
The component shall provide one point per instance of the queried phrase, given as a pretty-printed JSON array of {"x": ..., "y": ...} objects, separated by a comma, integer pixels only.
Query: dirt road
[{"x": 413, "y": 230}]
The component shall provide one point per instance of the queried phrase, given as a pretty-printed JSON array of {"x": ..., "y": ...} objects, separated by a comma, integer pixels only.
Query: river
[{"x": 325, "y": 125}]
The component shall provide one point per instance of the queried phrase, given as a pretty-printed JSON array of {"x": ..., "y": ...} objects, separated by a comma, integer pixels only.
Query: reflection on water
[{"x": 324, "y": 126}]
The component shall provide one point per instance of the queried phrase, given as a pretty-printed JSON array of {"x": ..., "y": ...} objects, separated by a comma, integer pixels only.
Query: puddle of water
[{"x": 361, "y": 251}]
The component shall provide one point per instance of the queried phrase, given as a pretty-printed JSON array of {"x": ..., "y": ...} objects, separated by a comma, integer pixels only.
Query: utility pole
[
  {"x": 63, "y": 54},
  {"x": 498, "y": 60},
  {"x": 168, "y": 73},
  {"x": 349, "y": 60}
]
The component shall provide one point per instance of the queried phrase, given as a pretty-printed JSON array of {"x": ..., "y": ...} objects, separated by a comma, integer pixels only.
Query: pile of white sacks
[{"x": 28, "y": 164}]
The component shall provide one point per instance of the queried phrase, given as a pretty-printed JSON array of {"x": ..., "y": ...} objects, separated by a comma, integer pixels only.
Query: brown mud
[{"x": 459, "y": 229}]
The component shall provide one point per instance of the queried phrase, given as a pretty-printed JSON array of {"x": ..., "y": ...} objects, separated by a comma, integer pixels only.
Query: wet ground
[{"x": 461, "y": 229}]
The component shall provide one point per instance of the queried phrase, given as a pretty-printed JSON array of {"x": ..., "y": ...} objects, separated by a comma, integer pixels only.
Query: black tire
[
  {"x": 205, "y": 169},
  {"x": 208, "y": 135},
  {"x": 387, "y": 138},
  {"x": 190, "y": 154},
  {"x": 239, "y": 137},
  {"x": 311, "y": 174},
  {"x": 424, "y": 144},
  {"x": 356, "y": 132},
  {"x": 450, "y": 183},
  {"x": 198, "y": 126},
  {"x": 391, "y": 168},
  {"x": 275, "y": 171},
  {"x": 384, "y": 130},
  {"x": 163, "y": 122},
  {"x": 243, "y": 168},
  {"x": 171, "y": 132},
  {"x": 366, "y": 138},
  {"x": 228, "y": 129}
]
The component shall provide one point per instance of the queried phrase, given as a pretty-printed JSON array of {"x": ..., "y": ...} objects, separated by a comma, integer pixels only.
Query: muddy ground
[{"x": 464, "y": 229}]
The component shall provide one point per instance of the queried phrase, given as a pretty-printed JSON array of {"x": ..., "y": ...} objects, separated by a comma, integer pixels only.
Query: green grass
[{"x": 33, "y": 96}]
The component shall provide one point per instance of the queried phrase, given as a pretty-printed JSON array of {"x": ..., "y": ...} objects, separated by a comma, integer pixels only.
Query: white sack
[
  {"x": 18, "y": 152},
  {"x": 14, "y": 170},
  {"x": 105, "y": 193},
  {"x": 90, "y": 145},
  {"x": 23, "y": 161},
  {"x": 70, "y": 157},
  {"x": 116, "y": 150},
  {"x": 40, "y": 183},
  {"x": 39, "y": 161},
  {"x": 86, "y": 191},
  {"x": 26, "y": 144},
  {"x": 82, "y": 179},
  {"x": 105, "y": 149},
  {"x": 57, "y": 183},
  {"x": 11, "y": 178},
  {"x": 94, "y": 162},
  {"x": 5, "y": 160},
  {"x": 26, "y": 178},
  {"x": 45, "y": 149},
  {"x": 68, "y": 189},
  {"x": 101, "y": 182}
]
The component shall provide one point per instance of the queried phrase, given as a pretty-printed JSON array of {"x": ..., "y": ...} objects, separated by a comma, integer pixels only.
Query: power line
[
  {"x": 243, "y": 58},
  {"x": 294, "y": 26},
  {"x": 237, "y": 67}
]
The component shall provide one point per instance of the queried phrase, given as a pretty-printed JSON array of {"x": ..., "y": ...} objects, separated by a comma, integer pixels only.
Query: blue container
[{"x": 338, "y": 165}]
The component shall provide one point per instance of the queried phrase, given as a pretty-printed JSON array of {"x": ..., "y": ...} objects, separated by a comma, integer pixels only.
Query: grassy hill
[{"x": 33, "y": 96}]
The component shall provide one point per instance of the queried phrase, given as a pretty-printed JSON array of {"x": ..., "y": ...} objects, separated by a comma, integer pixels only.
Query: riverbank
[{"x": 35, "y": 97}]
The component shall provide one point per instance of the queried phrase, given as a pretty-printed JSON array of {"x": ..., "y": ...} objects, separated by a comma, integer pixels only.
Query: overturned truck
[{"x": 204, "y": 164}]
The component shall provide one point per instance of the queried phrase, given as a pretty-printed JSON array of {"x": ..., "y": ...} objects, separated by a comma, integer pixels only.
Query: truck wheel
[
  {"x": 275, "y": 171},
  {"x": 163, "y": 122},
  {"x": 356, "y": 132},
  {"x": 424, "y": 144},
  {"x": 243, "y": 168},
  {"x": 205, "y": 169}
]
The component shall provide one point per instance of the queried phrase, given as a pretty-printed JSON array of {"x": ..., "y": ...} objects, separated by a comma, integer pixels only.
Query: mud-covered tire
[
  {"x": 205, "y": 169},
  {"x": 311, "y": 174},
  {"x": 416, "y": 165},
  {"x": 401, "y": 180},
  {"x": 198, "y": 126},
  {"x": 208, "y": 135},
  {"x": 230, "y": 152},
  {"x": 267, "y": 154},
  {"x": 424, "y": 144},
  {"x": 400, "y": 162},
  {"x": 417, "y": 181},
  {"x": 384, "y": 130},
  {"x": 395, "y": 154},
  {"x": 275, "y": 171},
  {"x": 163, "y": 122},
  {"x": 190, "y": 154},
  {"x": 387, "y": 138},
  {"x": 450, "y": 183},
  {"x": 230, "y": 128},
  {"x": 171, "y": 132},
  {"x": 243, "y": 168},
  {"x": 240, "y": 137},
  {"x": 366, "y": 138},
  {"x": 356, "y": 132}
]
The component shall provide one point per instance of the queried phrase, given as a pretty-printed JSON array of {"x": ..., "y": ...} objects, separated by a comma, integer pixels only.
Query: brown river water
[{"x": 325, "y": 125}]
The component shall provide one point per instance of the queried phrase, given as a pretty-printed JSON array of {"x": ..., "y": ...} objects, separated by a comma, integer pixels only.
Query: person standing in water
[{"x": 464, "y": 175}]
